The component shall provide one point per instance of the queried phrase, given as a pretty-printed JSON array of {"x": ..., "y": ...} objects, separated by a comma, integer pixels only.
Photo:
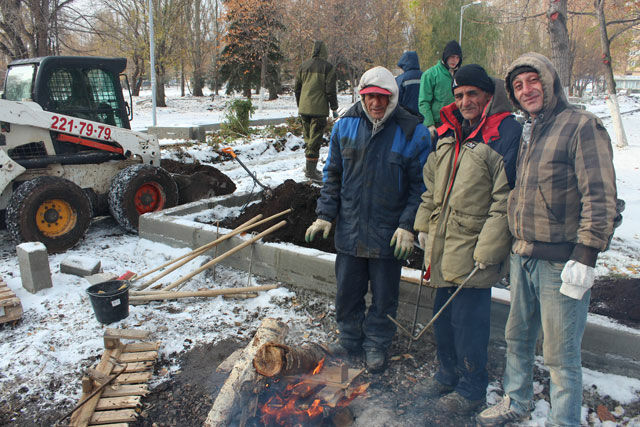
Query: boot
[{"x": 312, "y": 173}]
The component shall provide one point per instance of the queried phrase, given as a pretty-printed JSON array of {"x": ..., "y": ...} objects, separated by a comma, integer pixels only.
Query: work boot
[
  {"x": 375, "y": 360},
  {"x": 432, "y": 388},
  {"x": 455, "y": 403},
  {"x": 312, "y": 173},
  {"x": 338, "y": 350},
  {"x": 503, "y": 412}
]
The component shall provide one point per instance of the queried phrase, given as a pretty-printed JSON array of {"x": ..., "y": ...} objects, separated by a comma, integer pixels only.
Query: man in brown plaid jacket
[{"x": 561, "y": 214}]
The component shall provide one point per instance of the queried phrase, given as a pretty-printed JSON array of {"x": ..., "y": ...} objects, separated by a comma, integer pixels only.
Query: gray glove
[
  {"x": 318, "y": 225},
  {"x": 577, "y": 279}
]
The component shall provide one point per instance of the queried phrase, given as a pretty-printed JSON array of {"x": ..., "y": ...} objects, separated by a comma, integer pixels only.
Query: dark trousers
[
  {"x": 355, "y": 275},
  {"x": 462, "y": 337},
  {"x": 312, "y": 131}
]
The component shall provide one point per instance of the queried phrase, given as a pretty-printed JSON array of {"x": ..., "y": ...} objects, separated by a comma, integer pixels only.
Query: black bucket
[{"x": 110, "y": 300}]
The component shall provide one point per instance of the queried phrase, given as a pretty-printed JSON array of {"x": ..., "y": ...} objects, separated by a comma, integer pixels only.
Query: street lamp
[{"x": 462, "y": 13}]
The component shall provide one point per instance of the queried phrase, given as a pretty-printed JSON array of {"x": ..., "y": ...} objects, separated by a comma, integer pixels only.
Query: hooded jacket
[
  {"x": 464, "y": 207},
  {"x": 435, "y": 86},
  {"x": 372, "y": 177},
  {"x": 564, "y": 201},
  {"x": 315, "y": 86},
  {"x": 409, "y": 81}
]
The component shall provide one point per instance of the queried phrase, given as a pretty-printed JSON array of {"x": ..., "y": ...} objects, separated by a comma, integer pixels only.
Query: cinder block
[
  {"x": 101, "y": 277},
  {"x": 34, "y": 266},
  {"x": 80, "y": 265}
]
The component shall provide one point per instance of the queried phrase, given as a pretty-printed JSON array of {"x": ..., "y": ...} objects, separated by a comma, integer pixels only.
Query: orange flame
[{"x": 319, "y": 367}]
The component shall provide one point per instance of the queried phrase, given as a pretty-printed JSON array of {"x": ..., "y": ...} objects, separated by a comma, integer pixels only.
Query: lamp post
[{"x": 461, "y": 14}]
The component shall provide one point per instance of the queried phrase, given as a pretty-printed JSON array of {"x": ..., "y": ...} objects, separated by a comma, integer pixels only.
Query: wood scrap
[
  {"x": 10, "y": 305},
  {"x": 275, "y": 359},
  {"x": 243, "y": 376},
  {"x": 155, "y": 296}
]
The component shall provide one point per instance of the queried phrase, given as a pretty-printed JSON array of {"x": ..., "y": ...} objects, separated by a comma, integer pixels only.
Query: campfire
[{"x": 273, "y": 384}]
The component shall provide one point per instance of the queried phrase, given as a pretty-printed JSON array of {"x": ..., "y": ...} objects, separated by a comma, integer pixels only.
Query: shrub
[{"x": 237, "y": 115}]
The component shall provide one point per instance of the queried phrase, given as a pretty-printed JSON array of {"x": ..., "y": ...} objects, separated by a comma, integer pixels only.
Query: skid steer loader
[{"x": 67, "y": 152}]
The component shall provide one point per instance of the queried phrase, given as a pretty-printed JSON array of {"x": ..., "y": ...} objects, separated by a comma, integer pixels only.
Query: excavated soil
[
  {"x": 617, "y": 298},
  {"x": 197, "y": 181}
]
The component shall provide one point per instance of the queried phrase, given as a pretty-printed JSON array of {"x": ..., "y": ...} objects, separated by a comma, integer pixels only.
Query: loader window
[
  {"x": 104, "y": 94},
  {"x": 69, "y": 94},
  {"x": 19, "y": 82}
]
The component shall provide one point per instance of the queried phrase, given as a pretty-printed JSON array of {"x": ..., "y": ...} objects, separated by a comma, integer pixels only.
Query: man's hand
[
  {"x": 422, "y": 239},
  {"x": 577, "y": 279},
  {"x": 318, "y": 225},
  {"x": 334, "y": 114},
  {"x": 433, "y": 131},
  {"x": 403, "y": 242},
  {"x": 481, "y": 266}
]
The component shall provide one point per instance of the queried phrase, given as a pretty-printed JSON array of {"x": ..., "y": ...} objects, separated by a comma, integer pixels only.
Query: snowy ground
[{"x": 58, "y": 338}]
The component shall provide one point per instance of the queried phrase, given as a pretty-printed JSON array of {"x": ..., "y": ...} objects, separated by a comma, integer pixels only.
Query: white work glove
[
  {"x": 577, "y": 279},
  {"x": 403, "y": 242},
  {"x": 433, "y": 131},
  {"x": 422, "y": 240},
  {"x": 318, "y": 225}
]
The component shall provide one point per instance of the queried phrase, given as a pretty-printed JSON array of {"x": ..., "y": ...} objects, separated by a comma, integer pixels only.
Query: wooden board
[
  {"x": 10, "y": 306},
  {"x": 125, "y": 390},
  {"x": 123, "y": 402},
  {"x": 140, "y": 356},
  {"x": 117, "y": 416}
]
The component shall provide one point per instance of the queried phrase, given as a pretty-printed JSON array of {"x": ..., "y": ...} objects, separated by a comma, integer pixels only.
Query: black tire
[
  {"x": 140, "y": 189},
  {"x": 50, "y": 210}
]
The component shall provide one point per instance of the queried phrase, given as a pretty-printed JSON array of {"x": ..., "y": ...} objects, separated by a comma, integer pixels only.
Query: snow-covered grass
[{"x": 58, "y": 337}]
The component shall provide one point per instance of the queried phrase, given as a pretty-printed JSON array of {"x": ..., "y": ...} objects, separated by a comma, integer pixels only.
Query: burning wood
[{"x": 274, "y": 359}]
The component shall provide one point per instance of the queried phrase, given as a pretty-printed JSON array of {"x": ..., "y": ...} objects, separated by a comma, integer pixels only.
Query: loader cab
[{"x": 84, "y": 87}]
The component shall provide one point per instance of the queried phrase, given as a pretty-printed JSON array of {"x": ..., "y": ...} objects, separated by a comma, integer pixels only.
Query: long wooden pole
[
  {"x": 225, "y": 255},
  {"x": 201, "y": 248},
  {"x": 205, "y": 293}
]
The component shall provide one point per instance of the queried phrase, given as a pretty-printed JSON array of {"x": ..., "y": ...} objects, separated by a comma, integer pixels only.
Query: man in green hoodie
[
  {"x": 315, "y": 93},
  {"x": 435, "y": 86}
]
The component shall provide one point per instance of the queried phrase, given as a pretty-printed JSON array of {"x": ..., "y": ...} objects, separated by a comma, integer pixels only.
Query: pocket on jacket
[
  {"x": 544, "y": 207},
  {"x": 460, "y": 241}
]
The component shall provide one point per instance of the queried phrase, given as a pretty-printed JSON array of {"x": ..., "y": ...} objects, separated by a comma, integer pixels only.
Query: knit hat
[
  {"x": 473, "y": 75},
  {"x": 519, "y": 70},
  {"x": 452, "y": 48}
]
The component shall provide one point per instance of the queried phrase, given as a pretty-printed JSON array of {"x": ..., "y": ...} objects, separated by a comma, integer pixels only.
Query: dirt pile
[{"x": 197, "y": 181}]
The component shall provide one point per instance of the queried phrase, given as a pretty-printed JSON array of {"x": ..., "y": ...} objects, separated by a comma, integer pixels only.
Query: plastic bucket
[{"x": 110, "y": 300}]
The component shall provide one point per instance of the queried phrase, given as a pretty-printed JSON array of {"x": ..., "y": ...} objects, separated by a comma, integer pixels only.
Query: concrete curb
[
  {"x": 199, "y": 132},
  {"x": 605, "y": 347}
]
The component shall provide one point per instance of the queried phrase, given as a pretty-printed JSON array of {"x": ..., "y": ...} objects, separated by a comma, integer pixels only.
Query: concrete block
[
  {"x": 100, "y": 277},
  {"x": 80, "y": 265},
  {"x": 34, "y": 266}
]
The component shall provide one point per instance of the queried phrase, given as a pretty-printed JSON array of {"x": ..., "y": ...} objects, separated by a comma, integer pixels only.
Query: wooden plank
[
  {"x": 123, "y": 402},
  {"x": 115, "y": 425},
  {"x": 6, "y": 293},
  {"x": 138, "y": 367},
  {"x": 9, "y": 314},
  {"x": 118, "y": 416},
  {"x": 125, "y": 390},
  {"x": 140, "y": 346},
  {"x": 140, "y": 356},
  {"x": 331, "y": 395},
  {"x": 10, "y": 302},
  {"x": 134, "y": 378},
  {"x": 127, "y": 334},
  {"x": 83, "y": 415}
]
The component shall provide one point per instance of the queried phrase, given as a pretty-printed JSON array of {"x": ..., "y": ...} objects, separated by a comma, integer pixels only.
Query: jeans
[
  {"x": 462, "y": 337},
  {"x": 536, "y": 302},
  {"x": 312, "y": 131},
  {"x": 373, "y": 330}
]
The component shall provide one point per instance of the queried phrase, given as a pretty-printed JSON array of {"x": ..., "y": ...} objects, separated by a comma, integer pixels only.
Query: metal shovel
[
  {"x": 267, "y": 190},
  {"x": 435, "y": 317}
]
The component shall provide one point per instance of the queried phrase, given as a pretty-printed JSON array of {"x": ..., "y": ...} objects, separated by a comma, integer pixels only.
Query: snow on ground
[{"x": 59, "y": 337}]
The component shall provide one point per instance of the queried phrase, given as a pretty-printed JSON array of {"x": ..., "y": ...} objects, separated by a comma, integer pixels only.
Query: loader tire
[
  {"x": 50, "y": 210},
  {"x": 139, "y": 189}
]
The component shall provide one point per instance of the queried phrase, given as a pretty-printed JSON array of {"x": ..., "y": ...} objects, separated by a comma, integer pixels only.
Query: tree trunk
[
  {"x": 182, "y": 78},
  {"x": 160, "y": 97},
  {"x": 612, "y": 100},
  {"x": 561, "y": 55},
  {"x": 198, "y": 80}
]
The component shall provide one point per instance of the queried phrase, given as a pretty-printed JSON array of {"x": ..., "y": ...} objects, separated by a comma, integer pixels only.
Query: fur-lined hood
[{"x": 551, "y": 85}]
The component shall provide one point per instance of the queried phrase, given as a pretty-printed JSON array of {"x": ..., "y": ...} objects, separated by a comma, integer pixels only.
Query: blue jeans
[
  {"x": 462, "y": 337},
  {"x": 353, "y": 274},
  {"x": 536, "y": 302}
]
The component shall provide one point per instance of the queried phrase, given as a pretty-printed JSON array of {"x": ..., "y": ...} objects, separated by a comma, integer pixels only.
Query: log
[
  {"x": 243, "y": 376},
  {"x": 275, "y": 359}
]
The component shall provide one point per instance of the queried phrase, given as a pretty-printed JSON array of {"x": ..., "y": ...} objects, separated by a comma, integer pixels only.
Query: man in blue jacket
[
  {"x": 409, "y": 82},
  {"x": 372, "y": 187}
]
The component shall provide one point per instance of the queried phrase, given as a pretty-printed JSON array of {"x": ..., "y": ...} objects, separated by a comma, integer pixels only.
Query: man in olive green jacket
[
  {"x": 315, "y": 93},
  {"x": 462, "y": 224}
]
